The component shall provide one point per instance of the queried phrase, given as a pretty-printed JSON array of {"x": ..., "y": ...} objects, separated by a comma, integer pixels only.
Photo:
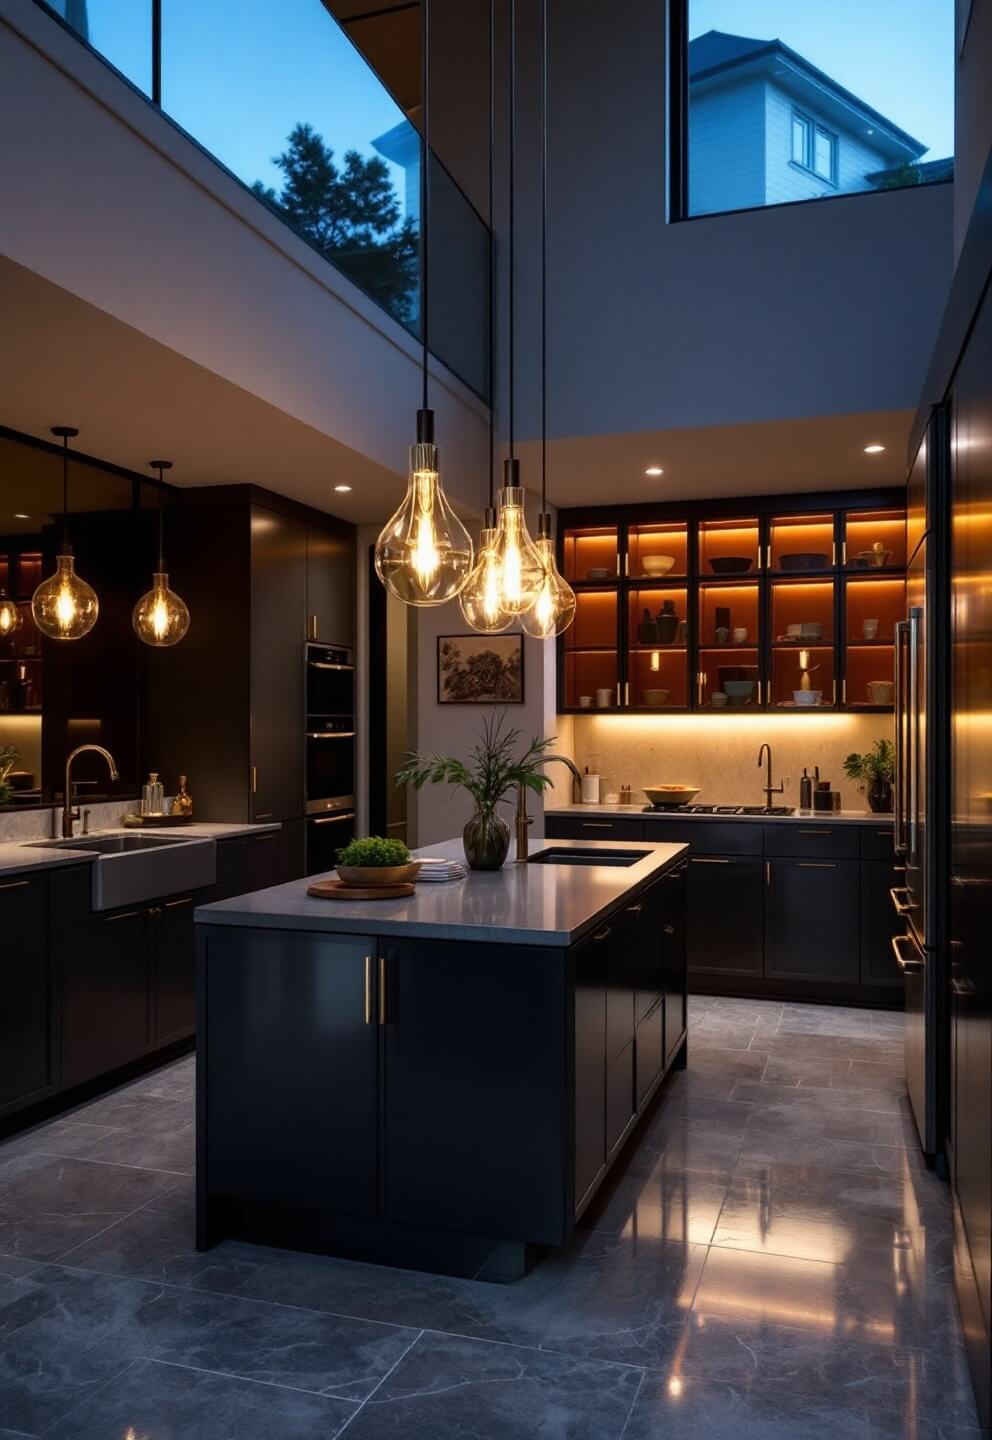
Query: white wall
[{"x": 972, "y": 108}]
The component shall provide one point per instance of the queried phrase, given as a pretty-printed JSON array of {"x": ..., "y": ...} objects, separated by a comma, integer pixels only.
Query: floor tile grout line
[
  {"x": 416, "y": 1339},
  {"x": 85, "y": 1400},
  {"x": 637, "y": 1392}
]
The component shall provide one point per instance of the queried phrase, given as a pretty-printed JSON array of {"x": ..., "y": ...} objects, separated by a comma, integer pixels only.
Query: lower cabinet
[
  {"x": 590, "y": 1065},
  {"x": 725, "y": 915},
  {"x": 879, "y": 922},
  {"x": 812, "y": 920},
  {"x": 27, "y": 1071},
  {"x": 675, "y": 979},
  {"x": 174, "y": 969},
  {"x": 104, "y": 969}
]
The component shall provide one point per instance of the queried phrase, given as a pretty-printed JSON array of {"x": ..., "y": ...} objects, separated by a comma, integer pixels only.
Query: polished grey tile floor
[{"x": 773, "y": 1262}]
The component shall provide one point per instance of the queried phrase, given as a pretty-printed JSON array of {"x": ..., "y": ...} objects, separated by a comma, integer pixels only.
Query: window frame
[{"x": 814, "y": 128}]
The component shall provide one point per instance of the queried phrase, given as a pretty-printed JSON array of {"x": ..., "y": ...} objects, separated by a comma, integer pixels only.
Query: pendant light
[
  {"x": 424, "y": 553},
  {"x": 481, "y": 600},
  {"x": 64, "y": 606},
  {"x": 554, "y": 609},
  {"x": 160, "y": 617},
  {"x": 518, "y": 564},
  {"x": 10, "y": 616}
]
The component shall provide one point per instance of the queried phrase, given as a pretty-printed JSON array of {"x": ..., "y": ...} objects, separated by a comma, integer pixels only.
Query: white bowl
[
  {"x": 658, "y": 564},
  {"x": 807, "y": 697}
]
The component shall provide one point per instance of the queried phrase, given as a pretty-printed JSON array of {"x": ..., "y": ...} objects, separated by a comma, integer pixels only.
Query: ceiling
[{"x": 387, "y": 32}]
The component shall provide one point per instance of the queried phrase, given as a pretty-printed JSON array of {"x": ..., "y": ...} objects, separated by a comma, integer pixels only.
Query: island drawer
[
  {"x": 706, "y": 837},
  {"x": 876, "y": 842},
  {"x": 798, "y": 840},
  {"x": 593, "y": 827}
]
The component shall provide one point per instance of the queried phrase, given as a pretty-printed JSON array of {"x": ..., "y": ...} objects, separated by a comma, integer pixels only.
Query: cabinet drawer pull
[
  {"x": 263, "y": 815},
  {"x": 817, "y": 865},
  {"x": 902, "y": 907},
  {"x": 603, "y": 933},
  {"x": 174, "y": 904},
  {"x": 909, "y": 966},
  {"x": 326, "y": 665},
  {"x": 15, "y": 885},
  {"x": 124, "y": 915},
  {"x": 368, "y": 989},
  {"x": 669, "y": 929},
  {"x": 597, "y": 824},
  {"x": 261, "y": 839},
  {"x": 334, "y": 819},
  {"x": 816, "y": 832},
  {"x": 700, "y": 860},
  {"x": 382, "y": 990},
  {"x": 330, "y": 734},
  {"x": 634, "y": 909}
]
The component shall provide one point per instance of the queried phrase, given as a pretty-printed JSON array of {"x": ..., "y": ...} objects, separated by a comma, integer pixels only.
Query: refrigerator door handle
[
  {"x": 913, "y": 713},
  {"x": 899, "y": 826},
  {"x": 907, "y": 964}
]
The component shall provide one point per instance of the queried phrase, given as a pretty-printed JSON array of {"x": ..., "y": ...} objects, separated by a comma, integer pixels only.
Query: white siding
[
  {"x": 785, "y": 181},
  {"x": 727, "y": 148}
]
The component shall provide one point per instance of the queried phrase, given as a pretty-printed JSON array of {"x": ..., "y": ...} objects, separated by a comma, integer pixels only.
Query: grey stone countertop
[
  {"x": 20, "y": 856},
  {"x": 638, "y": 812},
  {"x": 552, "y": 905}
]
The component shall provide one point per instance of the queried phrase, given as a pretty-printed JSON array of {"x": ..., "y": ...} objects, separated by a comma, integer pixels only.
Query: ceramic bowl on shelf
[
  {"x": 731, "y": 564},
  {"x": 653, "y": 565},
  {"x": 718, "y": 699},
  {"x": 804, "y": 560},
  {"x": 656, "y": 697},
  {"x": 880, "y": 692},
  {"x": 810, "y": 630},
  {"x": 807, "y": 697},
  {"x": 671, "y": 794},
  {"x": 599, "y": 572},
  {"x": 739, "y": 692}
]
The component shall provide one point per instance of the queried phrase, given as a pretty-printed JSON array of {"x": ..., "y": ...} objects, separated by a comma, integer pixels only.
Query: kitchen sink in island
[{"x": 440, "y": 1082}]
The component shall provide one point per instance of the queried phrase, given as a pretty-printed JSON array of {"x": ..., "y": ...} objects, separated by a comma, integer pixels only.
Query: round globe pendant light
[
  {"x": 64, "y": 606},
  {"x": 160, "y": 617},
  {"x": 424, "y": 553},
  {"x": 554, "y": 607}
]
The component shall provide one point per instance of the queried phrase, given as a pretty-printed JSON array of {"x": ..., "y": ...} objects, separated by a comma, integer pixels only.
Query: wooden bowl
[
  {"x": 671, "y": 794},
  {"x": 372, "y": 875}
]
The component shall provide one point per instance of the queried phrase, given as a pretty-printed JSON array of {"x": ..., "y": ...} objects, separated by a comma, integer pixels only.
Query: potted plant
[
  {"x": 489, "y": 776},
  {"x": 9, "y": 757},
  {"x": 376, "y": 861},
  {"x": 875, "y": 769}
]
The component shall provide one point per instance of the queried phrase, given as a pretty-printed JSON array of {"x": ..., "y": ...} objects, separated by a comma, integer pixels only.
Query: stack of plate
[{"x": 440, "y": 869}]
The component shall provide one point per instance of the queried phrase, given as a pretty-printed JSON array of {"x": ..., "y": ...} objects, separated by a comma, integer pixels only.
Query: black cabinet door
[
  {"x": 290, "y": 1066},
  {"x": 649, "y": 1050},
  {"x": 25, "y": 991},
  {"x": 620, "y": 1102},
  {"x": 593, "y": 827},
  {"x": 724, "y": 915},
  {"x": 646, "y": 947},
  {"x": 330, "y": 588},
  {"x": 812, "y": 920},
  {"x": 174, "y": 969},
  {"x": 104, "y": 965},
  {"x": 673, "y": 920},
  {"x": 278, "y": 606},
  {"x": 620, "y": 936},
  {"x": 590, "y": 1064},
  {"x": 879, "y": 922},
  {"x": 264, "y": 860},
  {"x": 474, "y": 1097}
]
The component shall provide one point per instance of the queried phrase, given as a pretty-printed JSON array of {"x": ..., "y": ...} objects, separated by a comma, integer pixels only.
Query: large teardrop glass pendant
[
  {"x": 554, "y": 609},
  {"x": 520, "y": 568},
  {"x": 64, "y": 606},
  {"x": 481, "y": 599},
  {"x": 10, "y": 616},
  {"x": 424, "y": 554},
  {"x": 160, "y": 617}
]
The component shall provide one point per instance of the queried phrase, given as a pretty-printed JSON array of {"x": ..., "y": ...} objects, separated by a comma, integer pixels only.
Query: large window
[{"x": 777, "y": 102}]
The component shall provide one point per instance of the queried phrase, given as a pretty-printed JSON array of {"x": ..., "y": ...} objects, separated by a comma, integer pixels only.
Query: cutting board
[{"x": 338, "y": 890}]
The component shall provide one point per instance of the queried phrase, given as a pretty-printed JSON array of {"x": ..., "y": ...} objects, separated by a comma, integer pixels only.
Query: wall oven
[
  {"x": 330, "y": 682},
  {"x": 330, "y": 753}
]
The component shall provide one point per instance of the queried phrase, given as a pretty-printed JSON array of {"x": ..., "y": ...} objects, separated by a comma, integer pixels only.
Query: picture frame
[{"x": 480, "y": 669}]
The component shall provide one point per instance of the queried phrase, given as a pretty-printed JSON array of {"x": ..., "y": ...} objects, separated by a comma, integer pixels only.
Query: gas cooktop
[{"x": 720, "y": 809}]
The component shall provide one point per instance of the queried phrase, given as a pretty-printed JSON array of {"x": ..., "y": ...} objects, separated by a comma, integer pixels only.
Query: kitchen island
[{"x": 443, "y": 1081}]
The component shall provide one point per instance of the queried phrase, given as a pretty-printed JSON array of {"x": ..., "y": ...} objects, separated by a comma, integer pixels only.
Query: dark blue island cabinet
[{"x": 436, "y": 1103}]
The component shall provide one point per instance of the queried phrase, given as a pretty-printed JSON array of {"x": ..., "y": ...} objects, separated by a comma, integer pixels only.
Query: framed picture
[{"x": 480, "y": 669}]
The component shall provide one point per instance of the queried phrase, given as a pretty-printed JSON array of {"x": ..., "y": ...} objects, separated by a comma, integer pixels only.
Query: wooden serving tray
[{"x": 338, "y": 890}]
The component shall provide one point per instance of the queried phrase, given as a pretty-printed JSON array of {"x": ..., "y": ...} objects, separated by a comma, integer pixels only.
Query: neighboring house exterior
[{"x": 766, "y": 127}]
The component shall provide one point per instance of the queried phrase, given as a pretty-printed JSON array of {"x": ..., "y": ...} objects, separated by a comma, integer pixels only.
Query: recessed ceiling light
[
  {"x": 874, "y": 449},
  {"x": 19, "y": 515},
  {"x": 341, "y": 489},
  {"x": 654, "y": 470}
]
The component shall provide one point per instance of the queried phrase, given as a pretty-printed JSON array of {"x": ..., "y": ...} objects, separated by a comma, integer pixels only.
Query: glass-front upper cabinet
[
  {"x": 591, "y": 555},
  {"x": 875, "y": 540},
  {"x": 872, "y": 608},
  {"x": 655, "y": 552},
  {"x": 590, "y": 653},
  {"x": 799, "y": 544},
  {"x": 728, "y": 675},
  {"x": 729, "y": 547},
  {"x": 657, "y": 646},
  {"x": 803, "y": 669}
]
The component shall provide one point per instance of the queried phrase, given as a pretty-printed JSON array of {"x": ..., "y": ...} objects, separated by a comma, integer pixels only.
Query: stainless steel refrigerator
[{"x": 921, "y": 737}]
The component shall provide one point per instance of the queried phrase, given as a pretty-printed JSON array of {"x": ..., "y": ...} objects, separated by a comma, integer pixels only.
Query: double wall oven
[{"x": 330, "y": 753}]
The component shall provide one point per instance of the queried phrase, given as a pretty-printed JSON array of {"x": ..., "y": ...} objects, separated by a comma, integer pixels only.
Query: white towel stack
[{"x": 438, "y": 869}]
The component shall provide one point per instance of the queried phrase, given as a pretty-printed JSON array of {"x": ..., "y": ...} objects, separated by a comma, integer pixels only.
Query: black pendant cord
[
  {"x": 65, "y": 434},
  {"x": 511, "y": 247},
  {"x": 161, "y": 466},
  {"x": 425, "y": 195},
  {"x": 544, "y": 261},
  {"x": 492, "y": 258}
]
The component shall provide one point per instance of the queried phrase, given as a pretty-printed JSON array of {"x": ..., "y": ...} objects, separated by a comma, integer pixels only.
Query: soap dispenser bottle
[
  {"x": 805, "y": 792},
  {"x": 152, "y": 795}
]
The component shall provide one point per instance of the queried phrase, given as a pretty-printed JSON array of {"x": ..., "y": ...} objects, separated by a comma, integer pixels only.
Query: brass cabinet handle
[
  {"x": 669, "y": 929},
  {"x": 15, "y": 885},
  {"x": 382, "y": 990},
  {"x": 334, "y": 819},
  {"x": 311, "y": 627},
  {"x": 124, "y": 915},
  {"x": 634, "y": 909},
  {"x": 174, "y": 904},
  {"x": 330, "y": 734},
  {"x": 816, "y": 832},
  {"x": 902, "y": 907},
  {"x": 908, "y": 966},
  {"x": 699, "y": 860},
  {"x": 368, "y": 989},
  {"x": 254, "y": 779},
  {"x": 261, "y": 839},
  {"x": 768, "y": 873},
  {"x": 597, "y": 824},
  {"x": 326, "y": 665},
  {"x": 817, "y": 865},
  {"x": 603, "y": 933}
]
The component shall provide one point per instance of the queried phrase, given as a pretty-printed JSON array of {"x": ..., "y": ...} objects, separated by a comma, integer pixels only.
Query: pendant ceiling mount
[{"x": 64, "y": 607}]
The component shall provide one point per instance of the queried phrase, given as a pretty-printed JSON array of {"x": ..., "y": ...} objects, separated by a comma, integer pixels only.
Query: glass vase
[{"x": 486, "y": 838}]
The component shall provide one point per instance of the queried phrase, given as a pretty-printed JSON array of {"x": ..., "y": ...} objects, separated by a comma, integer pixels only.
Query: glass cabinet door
[
  {"x": 658, "y": 552},
  {"x": 591, "y": 670},
  {"x": 729, "y": 547},
  {"x": 657, "y": 639},
  {"x": 591, "y": 555},
  {"x": 875, "y": 540},
  {"x": 871, "y": 610},
  {"x": 728, "y": 674},
  {"x": 800, "y": 544},
  {"x": 803, "y": 671}
]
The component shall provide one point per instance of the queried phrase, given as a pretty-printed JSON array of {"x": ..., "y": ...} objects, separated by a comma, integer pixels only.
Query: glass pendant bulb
[
  {"x": 554, "y": 609},
  {"x": 520, "y": 567},
  {"x": 64, "y": 606},
  {"x": 161, "y": 617},
  {"x": 10, "y": 616},
  {"x": 424, "y": 553},
  {"x": 481, "y": 599}
]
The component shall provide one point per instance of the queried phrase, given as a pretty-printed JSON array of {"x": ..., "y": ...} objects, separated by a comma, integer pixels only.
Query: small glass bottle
[
  {"x": 183, "y": 802},
  {"x": 152, "y": 795}
]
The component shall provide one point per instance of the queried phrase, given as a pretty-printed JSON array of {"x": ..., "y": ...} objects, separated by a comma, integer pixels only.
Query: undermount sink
[
  {"x": 617, "y": 858},
  {"x": 130, "y": 869}
]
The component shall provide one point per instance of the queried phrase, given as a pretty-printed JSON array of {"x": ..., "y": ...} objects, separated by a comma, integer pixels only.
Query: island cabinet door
[
  {"x": 724, "y": 915},
  {"x": 475, "y": 1125},
  {"x": 673, "y": 888},
  {"x": 812, "y": 920},
  {"x": 290, "y": 1063},
  {"x": 589, "y": 1046},
  {"x": 26, "y": 1070}
]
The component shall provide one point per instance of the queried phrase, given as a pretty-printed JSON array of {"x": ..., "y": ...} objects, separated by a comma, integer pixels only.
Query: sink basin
[
  {"x": 618, "y": 858},
  {"x": 130, "y": 869}
]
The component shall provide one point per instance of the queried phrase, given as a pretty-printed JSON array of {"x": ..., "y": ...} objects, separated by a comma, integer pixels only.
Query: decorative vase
[
  {"x": 486, "y": 838},
  {"x": 647, "y": 631},
  {"x": 880, "y": 797},
  {"x": 667, "y": 622}
]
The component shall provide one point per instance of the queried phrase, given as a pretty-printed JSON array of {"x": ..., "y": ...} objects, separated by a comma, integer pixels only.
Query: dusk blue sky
[{"x": 898, "y": 55}]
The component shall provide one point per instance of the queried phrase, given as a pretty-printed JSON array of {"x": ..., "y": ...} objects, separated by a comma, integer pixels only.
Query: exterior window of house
[{"x": 775, "y": 104}]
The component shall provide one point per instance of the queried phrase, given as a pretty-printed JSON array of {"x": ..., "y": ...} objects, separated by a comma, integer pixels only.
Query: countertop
[
  {"x": 18, "y": 856},
  {"x": 552, "y": 905},
  {"x": 638, "y": 812}
]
